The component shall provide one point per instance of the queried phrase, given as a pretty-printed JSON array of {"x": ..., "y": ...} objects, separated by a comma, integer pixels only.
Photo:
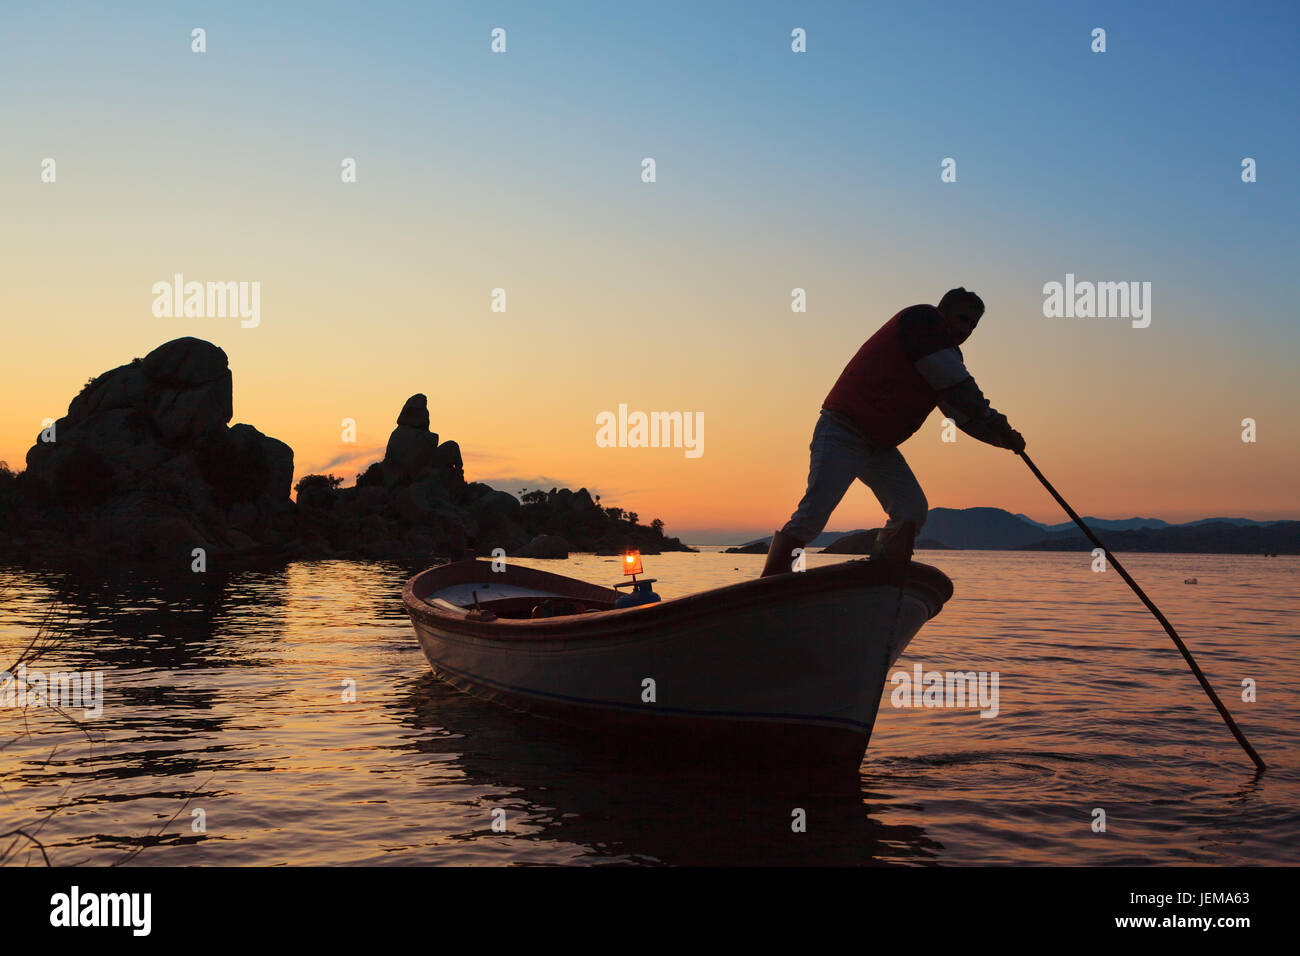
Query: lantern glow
[{"x": 632, "y": 562}]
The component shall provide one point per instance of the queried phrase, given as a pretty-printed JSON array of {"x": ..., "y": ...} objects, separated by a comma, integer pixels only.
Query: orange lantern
[{"x": 632, "y": 562}]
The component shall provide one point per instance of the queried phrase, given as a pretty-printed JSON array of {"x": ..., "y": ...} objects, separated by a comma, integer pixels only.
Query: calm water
[{"x": 228, "y": 693}]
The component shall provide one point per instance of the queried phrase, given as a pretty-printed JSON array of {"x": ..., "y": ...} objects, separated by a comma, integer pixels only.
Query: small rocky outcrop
[
  {"x": 545, "y": 546},
  {"x": 754, "y": 547},
  {"x": 859, "y": 542},
  {"x": 415, "y": 504}
]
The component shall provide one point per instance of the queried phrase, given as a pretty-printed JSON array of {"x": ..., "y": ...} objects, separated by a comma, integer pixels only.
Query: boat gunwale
[{"x": 615, "y": 622}]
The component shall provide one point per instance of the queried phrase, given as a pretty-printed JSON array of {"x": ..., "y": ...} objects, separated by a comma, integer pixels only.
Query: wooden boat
[{"x": 778, "y": 674}]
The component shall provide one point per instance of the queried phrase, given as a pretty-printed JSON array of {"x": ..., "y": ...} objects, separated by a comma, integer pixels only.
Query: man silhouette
[{"x": 912, "y": 364}]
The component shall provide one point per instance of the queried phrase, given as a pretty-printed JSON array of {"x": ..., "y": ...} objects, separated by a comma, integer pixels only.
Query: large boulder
[
  {"x": 413, "y": 506},
  {"x": 859, "y": 542},
  {"x": 408, "y": 455},
  {"x": 190, "y": 387},
  {"x": 123, "y": 387},
  {"x": 494, "y": 502},
  {"x": 412, "y": 448},
  {"x": 181, "y": 389},
  {"x": 545, "y": 546},
  {"x": 185, "y": 363},
  {"x": 183, "y": 413},
  {"x": 278, "y": 456},
  {"x": 415, "y": 413},
  {"x": 144, "y": 463},
  {"x": 448, "y": 465}
]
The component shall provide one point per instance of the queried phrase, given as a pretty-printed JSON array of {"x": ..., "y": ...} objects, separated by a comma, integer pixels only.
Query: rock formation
[
  {"x": 545, "y": 546},
  {"x": 143, "y": 465},
  {"x": 145, "y": 468},
  {"x": 416, "y": 503},
  {"x": 858, "y": 542}
]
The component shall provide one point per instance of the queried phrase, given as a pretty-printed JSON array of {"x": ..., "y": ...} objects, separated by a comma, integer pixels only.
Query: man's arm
[
  {"x": 940, "y": 364},
  {"x": 959, "y": 397}
]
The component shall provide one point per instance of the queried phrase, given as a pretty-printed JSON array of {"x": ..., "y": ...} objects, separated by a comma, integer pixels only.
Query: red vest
[{"x": 881, "y": 391}]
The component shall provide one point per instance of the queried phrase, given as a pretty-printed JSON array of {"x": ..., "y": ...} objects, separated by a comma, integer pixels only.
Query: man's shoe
[
  {"x": 894, "y": 545},
  {"x": 780, "y": 556}
]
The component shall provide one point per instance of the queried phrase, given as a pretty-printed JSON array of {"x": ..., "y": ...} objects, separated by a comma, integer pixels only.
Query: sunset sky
[{"x": 775, "y": 170}]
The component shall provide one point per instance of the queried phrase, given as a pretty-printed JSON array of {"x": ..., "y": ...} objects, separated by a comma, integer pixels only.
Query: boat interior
[
  {"x": 516, "y": 592},
  {"x": 513, "y": 601}
]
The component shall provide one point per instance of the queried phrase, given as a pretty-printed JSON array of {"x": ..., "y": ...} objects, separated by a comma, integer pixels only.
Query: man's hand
[{"x": 1004, "y": 435}]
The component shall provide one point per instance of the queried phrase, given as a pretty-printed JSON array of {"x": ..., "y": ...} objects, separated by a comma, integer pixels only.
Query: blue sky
[{"x": 818, "y": 170}]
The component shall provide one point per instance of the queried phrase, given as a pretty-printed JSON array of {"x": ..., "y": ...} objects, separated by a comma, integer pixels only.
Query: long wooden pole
[{"x": 1169, "y": 628}]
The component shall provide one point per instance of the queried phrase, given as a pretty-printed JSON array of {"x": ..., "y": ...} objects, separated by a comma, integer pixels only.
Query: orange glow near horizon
[{"x": 527, "y": 417}]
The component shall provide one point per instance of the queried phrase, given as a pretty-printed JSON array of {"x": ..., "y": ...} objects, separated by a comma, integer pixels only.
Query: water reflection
[
  {"x": 137, "y": 620},
  {"x": 582, "y": 792}
]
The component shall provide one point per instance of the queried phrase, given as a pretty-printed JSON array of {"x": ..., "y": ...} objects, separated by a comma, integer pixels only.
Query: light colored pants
[{"x": 839, "y": 455}]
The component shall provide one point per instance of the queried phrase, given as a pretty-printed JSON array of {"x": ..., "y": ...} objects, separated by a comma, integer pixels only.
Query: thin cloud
[
  {"x": 354, "y": 459},
  {"x": 513, "y": 483}
]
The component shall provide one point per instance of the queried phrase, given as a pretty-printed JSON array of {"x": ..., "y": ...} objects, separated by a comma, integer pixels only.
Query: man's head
[{"x": 961, "y": 310}]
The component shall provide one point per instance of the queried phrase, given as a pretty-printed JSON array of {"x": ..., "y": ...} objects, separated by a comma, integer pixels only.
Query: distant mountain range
[
  {"x": 993, "y": 529},
  {"x": 1101, "y": 524},
  {"x": 1134, "y": 524}
]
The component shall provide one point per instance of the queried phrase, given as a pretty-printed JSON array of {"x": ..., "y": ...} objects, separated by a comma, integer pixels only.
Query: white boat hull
[{"x": 776, "y": 669}]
